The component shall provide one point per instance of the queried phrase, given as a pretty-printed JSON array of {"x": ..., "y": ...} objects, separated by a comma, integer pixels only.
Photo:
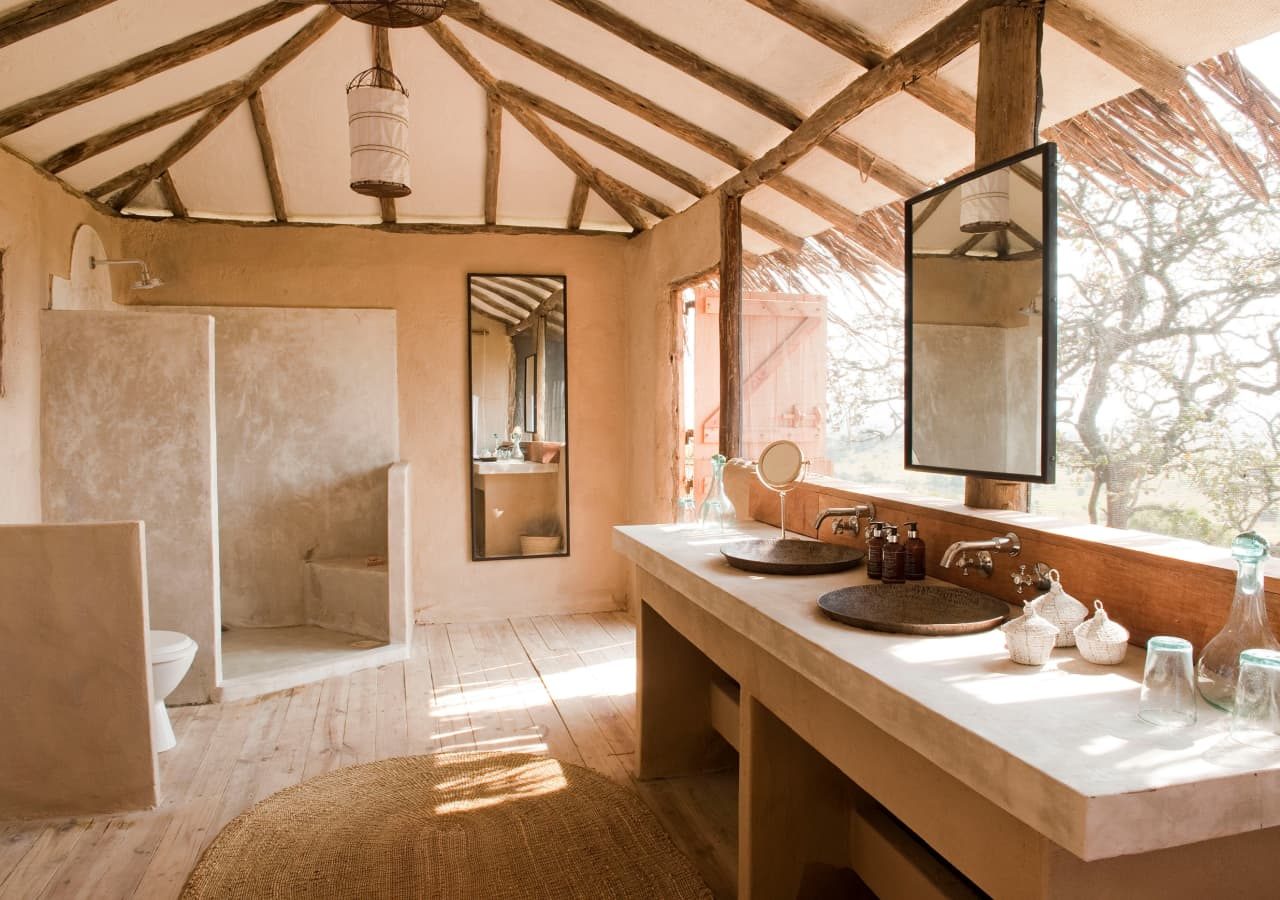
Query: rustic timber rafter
[
  {"x": 622, "y": 198},
  {"x": 851, "y": 43},
  {"x": 82, "y": 90},
  {"x": 578, "y": 204},
  {"x": 1144, "y": 65},
  {"x": 750, "y": 95},
  {"x": 382, "y": 59},
  {"x": 469, "y": 13},
  {"x": 927, "y": 53},
  {"x": 266, "y": 145},
  {"x": 493, "y": 155},
  {"x": 171, "y": 196},
  {"x": 100, "y": 143},
  {"x": 33, "y": 18},
  {"x": 304, "y": 38},
  {"x": 677, "y": 176},
  {"x": 554, "y": 300}
]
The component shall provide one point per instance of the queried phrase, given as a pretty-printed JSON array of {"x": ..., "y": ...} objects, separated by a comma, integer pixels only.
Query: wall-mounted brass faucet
[
  {"x": 847, "y": 518},
  {"x": 977, "y": 554}
]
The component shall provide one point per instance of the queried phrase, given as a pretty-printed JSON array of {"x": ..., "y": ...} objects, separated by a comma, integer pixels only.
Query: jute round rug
[{"x": 448, "y": 826}]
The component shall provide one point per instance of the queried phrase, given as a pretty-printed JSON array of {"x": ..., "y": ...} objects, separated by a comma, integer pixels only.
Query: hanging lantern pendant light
[
  {"x": 391, "y": 13},
  {"x": 378, "y": 124}
]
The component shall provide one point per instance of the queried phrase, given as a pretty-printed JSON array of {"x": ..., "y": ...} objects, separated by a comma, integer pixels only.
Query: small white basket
[
  {"x": 1062, "y": 610},
  {"x": 1100, "y": 640},
  {"x": 1030, "y": 637}
]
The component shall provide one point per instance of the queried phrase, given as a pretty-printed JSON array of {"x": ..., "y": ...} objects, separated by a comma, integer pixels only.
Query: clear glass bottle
[
  {"x": 716, "y": 508},
  {"x": 1247, "y": 627}
]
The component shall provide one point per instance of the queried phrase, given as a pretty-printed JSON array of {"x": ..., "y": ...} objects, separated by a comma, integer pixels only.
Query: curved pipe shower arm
[{"x": 145, "y": 282}]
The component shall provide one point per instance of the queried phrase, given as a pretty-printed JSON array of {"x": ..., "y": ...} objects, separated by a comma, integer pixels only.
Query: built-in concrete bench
[{"x": 347, "y": 594}]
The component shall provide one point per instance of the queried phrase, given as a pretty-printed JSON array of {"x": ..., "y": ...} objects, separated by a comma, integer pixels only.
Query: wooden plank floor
[{"x": 563, "y": 685}]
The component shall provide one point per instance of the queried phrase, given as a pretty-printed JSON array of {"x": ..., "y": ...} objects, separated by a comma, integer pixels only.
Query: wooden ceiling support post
[
  {"x": 493, "y": 155},
  {"x": 578, "y": 203},
  {"x": 730, "y": 324},
  {"x": 267, "y": 147},
  {"x": 1008, "y": 119}
]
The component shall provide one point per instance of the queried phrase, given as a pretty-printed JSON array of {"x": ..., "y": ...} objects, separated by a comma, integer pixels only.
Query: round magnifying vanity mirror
[{"x": 780, "y": 468}]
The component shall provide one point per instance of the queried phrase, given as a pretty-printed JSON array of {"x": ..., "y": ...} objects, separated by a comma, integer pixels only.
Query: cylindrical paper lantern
[
  {"x": 378, "y": 119},
  {"x": 984, "y": 203}
]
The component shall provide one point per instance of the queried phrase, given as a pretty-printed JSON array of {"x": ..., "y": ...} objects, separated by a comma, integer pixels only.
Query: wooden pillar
[
  {"x": 1008, "y": 118},
  {"x": 731, "y": 325}
]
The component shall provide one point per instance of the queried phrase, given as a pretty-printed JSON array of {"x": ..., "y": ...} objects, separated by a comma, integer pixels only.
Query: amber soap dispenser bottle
[
  {"x": 875, "y": 549},
  {"x": 894, "y": 558},
  {"x": 914, "y": 569}
]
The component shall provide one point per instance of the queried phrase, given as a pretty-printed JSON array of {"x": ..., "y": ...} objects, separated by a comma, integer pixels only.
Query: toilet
[{"x": 171, "y": 656}]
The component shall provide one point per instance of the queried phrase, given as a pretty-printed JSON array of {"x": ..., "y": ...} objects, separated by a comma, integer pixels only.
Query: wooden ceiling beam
[
  {"x": 623, "y": 199},
  {"x": 1135, "y": 59},
  {"x": 301, "y": 40},
  {"x": 32, "y": 18},
  {"x": 852, "y": 43},
  {"x": 663, "y": 169},
  {"x": 485, "y": 307},
  {"x": 518, "y": 292},
  {"x": 578, "y": 204},
  {"x": 153, "y": 62},
  {"x": 927, "y": 53},
  {"x": 123, "y": 180},
  {"x": 171, "y": 196},
  {"x": 106, "y": 140},
  {"x": 516, "y": 310},
  {"x": 470, "y": 14},
  {"x": 493, "y": 155},
  {"x": 382, "y": 59},
  {"x": 267, "y": 147},
  {"x": 553, "y": 301},
  {"x": 750, "y": 95}
]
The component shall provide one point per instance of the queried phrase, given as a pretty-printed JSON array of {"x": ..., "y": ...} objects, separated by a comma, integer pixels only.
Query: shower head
[{"x": 145, "y": 283}]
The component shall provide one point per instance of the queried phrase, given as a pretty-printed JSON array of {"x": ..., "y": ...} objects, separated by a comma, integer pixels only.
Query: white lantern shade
[
  {"x": 984, "y": 203},
  {"x": 378, "y": 120}
]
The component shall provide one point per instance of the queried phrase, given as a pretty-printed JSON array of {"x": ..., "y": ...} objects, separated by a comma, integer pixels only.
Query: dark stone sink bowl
[
  {"x": 914, "y": 608},
  {"x": 791, "y": 557}
]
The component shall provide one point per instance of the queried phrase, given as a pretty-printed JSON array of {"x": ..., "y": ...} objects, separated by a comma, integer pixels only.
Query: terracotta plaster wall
[
  {"x": 38, "y": 220},
  {"x": 423, "y": 278},
  {"x": 677, "y": 249},
  {"x": 75, "y": 710},
  {"x": 127, "y": 433}
]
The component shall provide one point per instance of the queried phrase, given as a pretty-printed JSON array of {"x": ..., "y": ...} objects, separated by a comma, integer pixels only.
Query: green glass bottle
[{"x": 1247, "y": 627}]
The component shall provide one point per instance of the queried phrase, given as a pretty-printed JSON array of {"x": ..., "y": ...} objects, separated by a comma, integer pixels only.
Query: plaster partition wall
[
  {"x": 76, "y": 704},
  {"x": 676, "y": 250},
  {"x": 127, "y": 429},
  {"x": 306, "y": 421},
  {"x": 38, "y": 221},
  {"x": 424, "y": 279}
]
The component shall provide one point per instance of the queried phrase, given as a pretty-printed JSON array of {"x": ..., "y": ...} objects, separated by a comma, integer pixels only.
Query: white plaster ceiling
[{"x": 223, "y": 176}]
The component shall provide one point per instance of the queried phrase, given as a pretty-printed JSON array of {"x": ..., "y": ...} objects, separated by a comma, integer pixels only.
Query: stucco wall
[
  {"x": 38, "y": 220},
  {"x": 675, "y": 250},
  {"x": 76, "y": 703},
  {"x": 423, "y": 278},
  {"x": 127, "y": 434},
  {"x": 306, "y": 418}
]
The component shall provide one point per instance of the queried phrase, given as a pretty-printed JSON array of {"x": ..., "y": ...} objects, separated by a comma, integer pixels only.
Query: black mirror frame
[
  {"x": 564, "y": 454},
  {"x": 1049, "y": 318}
]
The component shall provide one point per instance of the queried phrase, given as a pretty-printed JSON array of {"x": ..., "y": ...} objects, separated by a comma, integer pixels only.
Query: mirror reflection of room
[
  {"x": 977, "y": 323},
  {"x": 519, "y": 448}
]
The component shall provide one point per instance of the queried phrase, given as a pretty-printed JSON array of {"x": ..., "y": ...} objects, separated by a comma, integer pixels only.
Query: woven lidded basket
[
  {"x": 1100, "y": 640},
  {"x": 1030, "y": 637}
]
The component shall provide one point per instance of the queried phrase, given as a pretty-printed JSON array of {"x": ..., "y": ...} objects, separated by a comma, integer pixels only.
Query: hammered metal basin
[
  {"x": 791, "y": 557},
  {"x": 914, "y": 608}
]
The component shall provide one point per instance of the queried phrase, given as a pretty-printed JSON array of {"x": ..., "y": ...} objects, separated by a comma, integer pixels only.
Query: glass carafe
[
  {"x": 1247, "y": 627},
  {"x": 716, "y": 508}
]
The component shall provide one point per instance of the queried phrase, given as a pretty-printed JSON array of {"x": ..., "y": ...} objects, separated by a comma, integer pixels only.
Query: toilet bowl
[{"x": 171, "y": 656}]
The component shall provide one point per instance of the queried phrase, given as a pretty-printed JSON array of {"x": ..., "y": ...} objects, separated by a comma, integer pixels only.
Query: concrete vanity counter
[{"x": 980, "y": 749}]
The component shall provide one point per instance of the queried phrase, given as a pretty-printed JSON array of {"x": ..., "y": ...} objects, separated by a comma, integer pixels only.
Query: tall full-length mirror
[
  {"x": 519, "y": 416},
  {"x": 981, "y": 338}
]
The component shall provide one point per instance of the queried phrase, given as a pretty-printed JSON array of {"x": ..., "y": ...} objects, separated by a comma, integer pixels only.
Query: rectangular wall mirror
[
  {"x": 519, "y": 416},
  {"x": 981, "y": 344}
]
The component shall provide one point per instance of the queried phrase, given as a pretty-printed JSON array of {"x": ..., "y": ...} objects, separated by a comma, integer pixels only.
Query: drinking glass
[
  {"x": 1168, "y": 685},
  {"x": 1255, "y": 717}
]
